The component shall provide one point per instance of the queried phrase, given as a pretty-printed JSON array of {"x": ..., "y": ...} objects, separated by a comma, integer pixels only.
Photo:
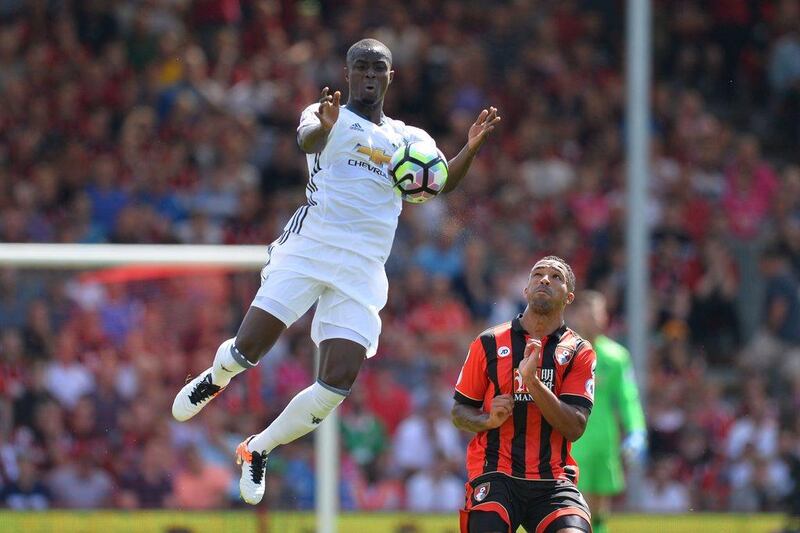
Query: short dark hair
[
  {"x": 570, "y": 273},
  {"x": 368, "y": 44}
]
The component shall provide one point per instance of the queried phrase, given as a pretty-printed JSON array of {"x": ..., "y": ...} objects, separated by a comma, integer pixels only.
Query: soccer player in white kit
[{"x": 332, "y": 252}]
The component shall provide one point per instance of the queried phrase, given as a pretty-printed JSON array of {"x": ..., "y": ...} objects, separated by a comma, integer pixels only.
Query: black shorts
[{"x": 538, "y": 506}]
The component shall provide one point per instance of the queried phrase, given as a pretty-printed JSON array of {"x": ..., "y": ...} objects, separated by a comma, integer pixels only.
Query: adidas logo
[{"x": 356, "y": 127}]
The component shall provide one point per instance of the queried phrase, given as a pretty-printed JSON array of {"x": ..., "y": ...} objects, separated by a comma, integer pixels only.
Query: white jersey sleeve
[{"x": 308, "y": 117}]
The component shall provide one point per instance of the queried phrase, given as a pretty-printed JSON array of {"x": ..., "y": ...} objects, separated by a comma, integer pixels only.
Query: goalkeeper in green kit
[{"x": 616, "y": 403}]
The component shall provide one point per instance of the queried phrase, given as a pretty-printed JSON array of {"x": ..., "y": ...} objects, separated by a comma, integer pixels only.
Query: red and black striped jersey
[{"x": 526, "y": 445}]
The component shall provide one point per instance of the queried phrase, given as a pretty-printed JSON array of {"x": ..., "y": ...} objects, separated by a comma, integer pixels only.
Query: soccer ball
[{"x": 419, "y": 171}]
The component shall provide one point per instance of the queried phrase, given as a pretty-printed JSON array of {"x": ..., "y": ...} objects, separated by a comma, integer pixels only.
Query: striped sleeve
[
  {"x": 472, "y": 380},
  {"x": 578, "y": 386}
]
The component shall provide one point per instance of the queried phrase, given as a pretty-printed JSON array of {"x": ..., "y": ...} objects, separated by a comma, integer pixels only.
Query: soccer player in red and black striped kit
[{"x": 526, "y": 390}]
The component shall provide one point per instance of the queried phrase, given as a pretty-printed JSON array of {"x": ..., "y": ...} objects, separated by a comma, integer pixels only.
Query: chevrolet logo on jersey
[{"x": 376, "y": 155}]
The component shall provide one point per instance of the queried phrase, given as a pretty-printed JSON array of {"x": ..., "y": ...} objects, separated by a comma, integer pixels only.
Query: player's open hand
[
  {"x": 483, "y": 125},
  {"x": 328, "y": 112},
  {"x": 532, "y": 356},
  {"x": 502, "y": 406}
]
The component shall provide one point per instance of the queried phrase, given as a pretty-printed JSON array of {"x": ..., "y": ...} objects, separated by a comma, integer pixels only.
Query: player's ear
[
  {"x": 525, "y": 292},
  {"x": 570, "y": 297},
  {"x": 391, "y": 76},
  {"x": 346, "y": 74}
]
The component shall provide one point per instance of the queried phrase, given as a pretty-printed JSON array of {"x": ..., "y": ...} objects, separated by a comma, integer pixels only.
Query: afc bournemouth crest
[
  {"x": 481, "y": 491},
  {"x": 564, "y": 354}
]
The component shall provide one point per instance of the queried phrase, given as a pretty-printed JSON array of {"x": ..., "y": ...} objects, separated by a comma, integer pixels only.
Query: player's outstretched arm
[
  {"x": 480, "y": 129},
  {"x": 313, "y": 137},
  {"x": 475, "y": 420}
]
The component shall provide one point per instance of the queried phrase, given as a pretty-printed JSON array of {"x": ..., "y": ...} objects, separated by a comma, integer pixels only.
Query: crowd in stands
[{"x": 140, "y": 121}]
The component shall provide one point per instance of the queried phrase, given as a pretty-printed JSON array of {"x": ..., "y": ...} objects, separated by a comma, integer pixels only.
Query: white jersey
[{"x": 350, "y": 200}]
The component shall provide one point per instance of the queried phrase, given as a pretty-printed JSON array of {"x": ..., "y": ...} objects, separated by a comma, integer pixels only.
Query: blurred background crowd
[{"x": 173, "y": 121}]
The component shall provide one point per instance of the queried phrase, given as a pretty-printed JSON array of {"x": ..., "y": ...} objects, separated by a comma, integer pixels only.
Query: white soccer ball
[{"x": 419, "y": 171}]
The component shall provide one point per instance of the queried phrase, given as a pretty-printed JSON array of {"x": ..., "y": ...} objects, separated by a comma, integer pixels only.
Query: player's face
[
  {"x": 547, "y": 288},
  {"x": 369, "y": 76}
]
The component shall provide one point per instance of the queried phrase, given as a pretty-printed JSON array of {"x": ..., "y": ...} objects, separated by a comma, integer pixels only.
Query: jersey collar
[
  {"x": 362, "y": 117},
  {"x": 516, "y": 325}
]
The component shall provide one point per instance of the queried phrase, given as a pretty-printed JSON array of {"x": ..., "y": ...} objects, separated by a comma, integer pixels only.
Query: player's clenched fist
[{"x": 502, "y": 406}]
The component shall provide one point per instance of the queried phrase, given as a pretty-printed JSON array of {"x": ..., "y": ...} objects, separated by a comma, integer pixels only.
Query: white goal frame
[{"x": 241, "y": 257}]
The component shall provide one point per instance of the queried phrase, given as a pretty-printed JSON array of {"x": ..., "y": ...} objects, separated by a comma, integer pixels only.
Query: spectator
[
  {"x": 662, "y": 493},
  {"x": 713, "y": 322},
  {"x": 107, "y": 401},
  {"x": 150, "y": 484},
  {"x": 378, "y": 488},
  {"x": 27, "y": 493},
  {"x": 299, "y": 469},
  {"x": 38, "y": 332},
  {"x": 758, "y": 428},
  {"x": 442, "y": 320},
  {"x": 199, "y": 485},
  {"x": 13, "y": 298},
  {"x": 474, "y": 281},
  {"x": 443, "y": 257},
  {"x": 775, "y": 346},
  {"x": 758, "y": 484},
  {"x": 363, "y": 435},
  {"x": 784, "y": 63},
  {"x": 81, "y": 484},
  {"x": 436, "y": 490},
  {"x": 66, "y": 378},
  {"x": 751, "y": 184},
  {"x": 108, "y": 198},
  {"x": 782, "y": 306},
  {"x": 390, "y": 402},
  {"x": 424, "y": 436}
]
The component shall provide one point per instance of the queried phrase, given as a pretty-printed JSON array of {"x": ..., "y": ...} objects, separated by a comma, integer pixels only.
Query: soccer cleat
[
  {"x": 194, "y": 396},
  {"x": 254, "y": 466}
]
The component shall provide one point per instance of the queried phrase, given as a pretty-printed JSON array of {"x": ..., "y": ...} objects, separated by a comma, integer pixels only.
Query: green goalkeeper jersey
[{"x": 616, "y": 402}]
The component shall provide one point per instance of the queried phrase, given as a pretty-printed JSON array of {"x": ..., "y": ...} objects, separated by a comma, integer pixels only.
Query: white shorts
[{"x": 349, "y": 289}]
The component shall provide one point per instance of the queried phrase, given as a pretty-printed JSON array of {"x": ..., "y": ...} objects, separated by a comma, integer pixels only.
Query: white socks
[
  {"x": 227, "y": 363},
  {"x": 302, "y": 415}
]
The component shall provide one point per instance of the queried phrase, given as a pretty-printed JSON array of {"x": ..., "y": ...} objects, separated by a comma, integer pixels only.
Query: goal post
[
  {"x": 104, "y": 255},
  {"x": 186, "y": 257}
]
